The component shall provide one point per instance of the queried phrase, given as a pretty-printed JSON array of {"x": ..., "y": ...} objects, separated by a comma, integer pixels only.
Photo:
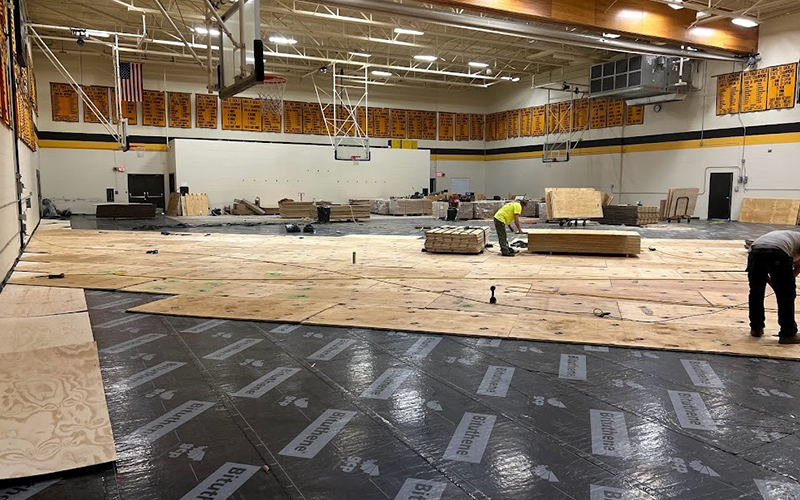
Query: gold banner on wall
[
  {"x": 462, "y": 126},
  {"x": 634, "y": 115},
  {"x": 729, "y": 90},
  {"x": 293, "y": 117},
  {"x": 251, "y": 115},
  {"x": 381, "y": 123},
  {"x": 232, "y": 113},
  {"x": 205, "y": 108},
  {"x": 154, "y": 108},
  {"x": 476, "y": 127},
  {"x": 616, "y": 113},
  {"x": 63, "y": 101},
  {"x": 180, "y": 109},
  {"x": 99, "y": 97},
  {"x": 447, "y": 126},
  {"x": 513, "y": 122},
  {"x": 754, "y": 90},
  {"x": 782, "y": 86},
  {"x": 399, "y": 123},
  {"x": 599, "y": 113},
  {"x": 538, "y": 121}
]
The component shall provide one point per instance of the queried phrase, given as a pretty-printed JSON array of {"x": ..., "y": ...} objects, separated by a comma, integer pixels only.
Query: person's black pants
[{"x": 778, "y": 266}]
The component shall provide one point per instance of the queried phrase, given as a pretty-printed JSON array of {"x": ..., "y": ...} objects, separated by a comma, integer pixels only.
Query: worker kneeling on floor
[
  {"x": 509, "y": 213},
  {"x": 775, "y": 260}
]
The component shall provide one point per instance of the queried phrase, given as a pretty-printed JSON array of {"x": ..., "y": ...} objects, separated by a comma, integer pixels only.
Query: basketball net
[{"x": 270, "y": 92}]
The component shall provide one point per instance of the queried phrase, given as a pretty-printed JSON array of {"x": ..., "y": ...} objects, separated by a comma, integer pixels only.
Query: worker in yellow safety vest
[{"x": 509, "y": 213}]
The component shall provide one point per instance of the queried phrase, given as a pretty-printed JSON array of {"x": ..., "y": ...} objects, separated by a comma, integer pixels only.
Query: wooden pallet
[
  {"x": 584, "y": 242},
  {"x": 447, "y": 239}
]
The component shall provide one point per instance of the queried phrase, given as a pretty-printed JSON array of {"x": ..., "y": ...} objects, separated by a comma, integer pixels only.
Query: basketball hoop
[
  {"x": 354, "y": 159},
  {"x": 270, "y": 92}
]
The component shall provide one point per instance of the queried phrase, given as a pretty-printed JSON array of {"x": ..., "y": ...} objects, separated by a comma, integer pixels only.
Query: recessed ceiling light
[
  {"x": 360, "y": 54},
  {"x": 611, "y": 35},
  {"x": 282, "y": 40},
  {"x": 745, "y": 22},
  {"x": 202, "y": 31},
  {"x": 380, "y": 73},
  {"x": 476, "y": 64},
  {"x": 425, "y": 57},
  {"x": 404, "y": 31}
]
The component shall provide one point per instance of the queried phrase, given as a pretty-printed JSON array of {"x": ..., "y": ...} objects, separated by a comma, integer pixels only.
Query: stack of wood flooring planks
[
  {"x": 573, "y": 203},
  {"x": 487, "y": 208},
  {"x": 629, "y": 215},
  {"x": 680, "y": 203},
  {"x": 584, "y": 242},
  {"x": 770, "y": 211},
  {"x": 342, "y": 212},
  {"x": 405, "y": 206},
  {"x": 296, "y": 209},
  {"x": 447, "y": 239}
]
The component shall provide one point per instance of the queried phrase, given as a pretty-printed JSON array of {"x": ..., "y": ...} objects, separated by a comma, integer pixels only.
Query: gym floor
[{"x": 199, "y": 407}]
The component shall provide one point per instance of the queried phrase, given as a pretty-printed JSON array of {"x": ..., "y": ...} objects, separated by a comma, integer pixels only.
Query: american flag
[{"x": 131, "y": 83}]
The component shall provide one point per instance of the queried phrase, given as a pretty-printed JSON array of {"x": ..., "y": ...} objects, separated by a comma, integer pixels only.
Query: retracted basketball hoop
[
  {"x": 270, "y": 92},
  {"x": 355, "y": 159}
]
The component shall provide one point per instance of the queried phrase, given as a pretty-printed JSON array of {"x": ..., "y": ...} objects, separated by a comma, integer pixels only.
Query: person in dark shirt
[{"x": 774, "y": 260}]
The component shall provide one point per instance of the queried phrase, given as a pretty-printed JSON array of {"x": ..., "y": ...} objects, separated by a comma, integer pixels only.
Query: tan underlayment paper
[{"x": 53, "y": 414}]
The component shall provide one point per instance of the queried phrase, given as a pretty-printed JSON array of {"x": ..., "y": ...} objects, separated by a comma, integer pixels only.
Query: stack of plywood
[
  {"x": 487, "y": 208},
  {"x": 456, "y": 239},
  {"x": 580, "y": 241},
  {"x": 680, "y": 203},
  {"x": 404, "y": 206},
  {"x": 573, "y": 203},
  {"x": 770, "y": 211},
  {"x": 342, "y": 212},
  {"x": 629, "y": 215},
  {"x": 359, "y": 201},
  {"x": 188, "y": 204},
  {"x": 296, "y": 209}
]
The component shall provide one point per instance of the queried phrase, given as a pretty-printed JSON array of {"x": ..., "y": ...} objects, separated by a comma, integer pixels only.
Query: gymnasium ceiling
[{"x": 327, "y": 33}]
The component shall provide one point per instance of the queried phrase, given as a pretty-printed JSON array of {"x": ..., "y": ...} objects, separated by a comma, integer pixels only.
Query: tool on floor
[
  {"x": 493, "y": 299},
  {"x": 55, "y": 276},
  {"x": 600, "y": 313},
  {"x": 354, "y": 257},
  {"x": 152, "y": 252}
]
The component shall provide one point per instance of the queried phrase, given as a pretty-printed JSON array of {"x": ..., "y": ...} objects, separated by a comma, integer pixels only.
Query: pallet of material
[
  {"x": 465, "y": 210},
  {"x": 341, "y": 213},
  {"x": 681, "y": 203},
  {"x": 405, "y": 206},
  {"x": 487, "y": 208},
  {"x": 359, "y": 201},
  {"x": 448, "y": 239},
  {"x": 126, "y": 211},
  {"x": 770, "y": 211},
  {"x": 296, "y": 209},
  {"x": 629, "y": 215},
  {"x": 573, "y": 203},
  {"x": 379, "y": 206},
  {"x": 584, "y": 242}
]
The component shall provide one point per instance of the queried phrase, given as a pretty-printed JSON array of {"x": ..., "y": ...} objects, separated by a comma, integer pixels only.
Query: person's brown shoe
[
  {"x": 756, "y": 332},
  {"x": 794, "y": 339}
]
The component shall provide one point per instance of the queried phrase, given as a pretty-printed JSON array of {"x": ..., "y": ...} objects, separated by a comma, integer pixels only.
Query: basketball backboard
[{"x": 243, "y": 21}]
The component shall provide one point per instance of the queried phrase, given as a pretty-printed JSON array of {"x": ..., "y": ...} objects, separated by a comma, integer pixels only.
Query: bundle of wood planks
[
  {"x": 342, "y": 212},
  {"x": 405, "y": 206},
  {"x": 584, "y": 242},
  {"x": 466, "y": 210},
  {"x": 296, "y": 209},
  {"x": 770, "y": 211},
  {"x": 246, "y": 207},
  {"x": 449, "y": 239},
  {"x": 680, "y": 203},
  {"x": 487, "y": 208},
  {"x": 574, "y": 203},
  {"x": 629, "y": 215}
]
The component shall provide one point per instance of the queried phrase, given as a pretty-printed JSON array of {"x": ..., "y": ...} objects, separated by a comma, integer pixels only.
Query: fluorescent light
[
  {"x": 702, "y": 14},
  {"x": 380, "y": 73},
  {"x": 506, "y": 77},
  {"x": 745, "y": 22},
  {"x": 476, "y": 64},
  {"x": 425, "y": 57},
  {"x": 392, "y": 42},
  {"x": 97, "y": 34},
  {"x": 515, "y": 79},
  {"x": 611, "y": 35},
  {"x": 676, "y": 4},
  {"x": 404, "y": 31},
  {"x": 282, "y": 40},
  {"x": 360, "y": 54},
  {"x": 202, "y": 31}
]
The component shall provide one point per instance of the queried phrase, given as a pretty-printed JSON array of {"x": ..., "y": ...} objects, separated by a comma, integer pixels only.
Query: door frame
[
  {"x": 732, "y": 173},
  {"x": 153, "y": 175}
]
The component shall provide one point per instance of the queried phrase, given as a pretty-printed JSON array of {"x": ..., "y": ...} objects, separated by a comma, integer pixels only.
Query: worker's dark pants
[
  {"x": 502, "y": 235},
  {"x": 778, "y": 266}
]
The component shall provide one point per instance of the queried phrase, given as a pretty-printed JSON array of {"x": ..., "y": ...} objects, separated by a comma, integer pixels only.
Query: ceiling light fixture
[
  {"x": 506, "y": 77},
  {"x": 282, "y": 40},
  {"x": 360, "y": 54},
  {"x": 745, "y": 22},
  {"x": 98, "y": 34},
  {"x": 425, "y": 57},
  {"x": 702, "y": 14},
  {"x": 380, "y": 73},
  {"x": 476, "y": 64},
  {"x": 515, "y": 79},
  {"x": 202, "y": 31},
  {"x": 611, "y": 35},
  {"x": 404, "y": 31},
  {"x": 676, "y": 4}
]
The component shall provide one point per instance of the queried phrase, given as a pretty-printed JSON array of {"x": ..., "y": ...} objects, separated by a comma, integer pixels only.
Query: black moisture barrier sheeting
[{"x": 199, "y": 406}]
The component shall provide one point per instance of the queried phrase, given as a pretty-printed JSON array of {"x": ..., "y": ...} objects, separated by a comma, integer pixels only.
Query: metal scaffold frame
[{"x": 339, "y": 107}]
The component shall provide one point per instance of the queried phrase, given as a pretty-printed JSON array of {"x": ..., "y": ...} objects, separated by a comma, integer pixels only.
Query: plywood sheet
[
  {"x": 770, "y": 211},
  {"x": 39, "y": 332},
  {"x": 25, "y": 301},
  {"x": 53, "y": 415},
  {"x": 97, "y": 282},
  {"x": 199, "y": 306},
  {"x": 570, "y": 203}
]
